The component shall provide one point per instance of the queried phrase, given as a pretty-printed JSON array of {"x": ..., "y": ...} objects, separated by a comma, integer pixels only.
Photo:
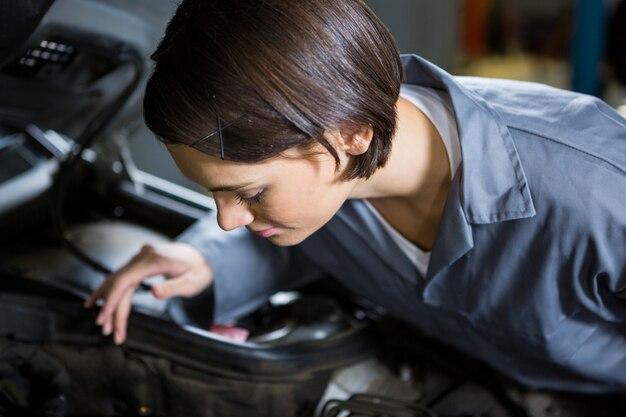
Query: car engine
[{"x": 73, "y": 207}]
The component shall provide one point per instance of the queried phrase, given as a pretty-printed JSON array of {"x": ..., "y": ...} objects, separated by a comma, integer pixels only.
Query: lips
[{"x": 265, "y": 232}]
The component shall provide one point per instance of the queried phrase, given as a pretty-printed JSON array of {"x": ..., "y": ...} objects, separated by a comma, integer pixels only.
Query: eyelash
[{"x": 249, "y": 201}]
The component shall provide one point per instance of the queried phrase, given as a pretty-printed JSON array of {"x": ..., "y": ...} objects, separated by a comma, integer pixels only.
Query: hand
[{"x": 186, "y": 269}]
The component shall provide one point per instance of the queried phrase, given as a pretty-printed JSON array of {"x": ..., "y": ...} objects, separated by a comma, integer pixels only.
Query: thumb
[{"x": 183, "y": 286}]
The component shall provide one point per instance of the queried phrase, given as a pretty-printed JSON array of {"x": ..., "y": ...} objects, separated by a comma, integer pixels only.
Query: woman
[{"x": 490, "y": 214}]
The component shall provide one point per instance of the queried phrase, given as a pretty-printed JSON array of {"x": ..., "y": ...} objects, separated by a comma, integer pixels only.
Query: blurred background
[{"x": 573, "y": 44}]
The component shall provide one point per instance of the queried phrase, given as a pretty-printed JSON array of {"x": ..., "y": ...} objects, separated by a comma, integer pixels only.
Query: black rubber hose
[{"x": 123, "y": 55}]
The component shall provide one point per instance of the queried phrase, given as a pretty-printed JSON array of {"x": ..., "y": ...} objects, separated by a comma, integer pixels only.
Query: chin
[{"x": 287, "y": 239}]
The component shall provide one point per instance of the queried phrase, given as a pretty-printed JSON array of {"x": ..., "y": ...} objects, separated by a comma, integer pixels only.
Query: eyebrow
[{"x": 233, "y": 187}]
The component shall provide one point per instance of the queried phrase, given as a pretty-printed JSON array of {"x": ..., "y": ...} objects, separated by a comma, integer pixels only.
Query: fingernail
[
  {"x": 156, "y": 291},
  {"x": 106, "y": 330},
  {"x": 117, "y": 338}
]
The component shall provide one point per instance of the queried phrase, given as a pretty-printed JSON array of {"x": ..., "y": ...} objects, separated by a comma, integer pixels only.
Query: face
[{"x": 284, "y": 199}]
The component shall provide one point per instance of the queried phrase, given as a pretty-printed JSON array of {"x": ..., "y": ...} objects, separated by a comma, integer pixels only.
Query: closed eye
[{"x": 249, "y": 201}]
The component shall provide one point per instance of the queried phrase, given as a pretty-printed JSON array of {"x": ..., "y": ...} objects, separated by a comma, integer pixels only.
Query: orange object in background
[{"x": 474, "y": 30}]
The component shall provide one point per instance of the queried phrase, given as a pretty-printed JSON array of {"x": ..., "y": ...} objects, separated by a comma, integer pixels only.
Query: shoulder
[
  {"x": 520, "y": 102},
  {"x": 575, "y": 123}
]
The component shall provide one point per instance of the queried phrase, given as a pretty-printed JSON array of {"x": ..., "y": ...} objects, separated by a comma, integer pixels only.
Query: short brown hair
[{"x": 274, "y": 74}]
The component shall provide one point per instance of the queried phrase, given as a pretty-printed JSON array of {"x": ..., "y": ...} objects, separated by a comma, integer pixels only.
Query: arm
[
  {"x": 186, "y": 269},
  {"x": 244, "y": 269},
  {"x": 247, "y": 269}
]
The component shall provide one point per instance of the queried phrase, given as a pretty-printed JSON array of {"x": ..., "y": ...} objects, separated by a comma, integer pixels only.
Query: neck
[
  {"x": 418, "y": 165},
  {"x": 411, "y": 189}
]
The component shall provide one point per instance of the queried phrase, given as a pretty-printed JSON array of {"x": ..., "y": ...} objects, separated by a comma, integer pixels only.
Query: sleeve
[
  {"x": 247, "y": 269},
  {"x": 606, "y": 290}
]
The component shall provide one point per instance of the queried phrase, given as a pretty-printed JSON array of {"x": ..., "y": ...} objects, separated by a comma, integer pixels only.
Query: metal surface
[{"x": 112, "y": 243}]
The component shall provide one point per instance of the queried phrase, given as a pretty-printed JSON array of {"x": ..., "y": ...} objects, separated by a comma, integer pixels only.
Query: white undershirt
[{"x": 437, "y": 107}]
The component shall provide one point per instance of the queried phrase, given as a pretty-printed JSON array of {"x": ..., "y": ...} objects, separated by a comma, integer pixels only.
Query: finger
[
  {"x": 121, "y": 318},
  {"x": 98, "y": 293},
  {"x": 128, "y": 278},
  {"x": 103, "y": 288},
  {"x": 107, "y": 327},
  {"x": 186, "y": 285}
]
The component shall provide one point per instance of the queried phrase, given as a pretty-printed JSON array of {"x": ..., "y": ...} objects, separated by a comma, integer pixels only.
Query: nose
[{"x": 231, "y": 214}]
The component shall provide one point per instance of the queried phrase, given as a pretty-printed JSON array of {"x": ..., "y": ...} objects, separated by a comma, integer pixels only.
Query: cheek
[
  {"x": 289, "y": 206},
  {"x": 304, "y": 197},
  {"x": 294, "y": 205}
]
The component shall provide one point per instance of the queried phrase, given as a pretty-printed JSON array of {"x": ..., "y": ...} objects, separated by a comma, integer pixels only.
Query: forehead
[
  {"x": 209, "y": 170},
  {"x": 214, "y": 173}
]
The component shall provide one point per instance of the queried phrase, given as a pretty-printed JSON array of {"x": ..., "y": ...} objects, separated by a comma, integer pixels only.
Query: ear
[{"x": 356, "y": 139}]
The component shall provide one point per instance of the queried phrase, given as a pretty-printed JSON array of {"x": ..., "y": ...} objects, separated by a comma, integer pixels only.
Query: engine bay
[{"x": 74, "y": 207}]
